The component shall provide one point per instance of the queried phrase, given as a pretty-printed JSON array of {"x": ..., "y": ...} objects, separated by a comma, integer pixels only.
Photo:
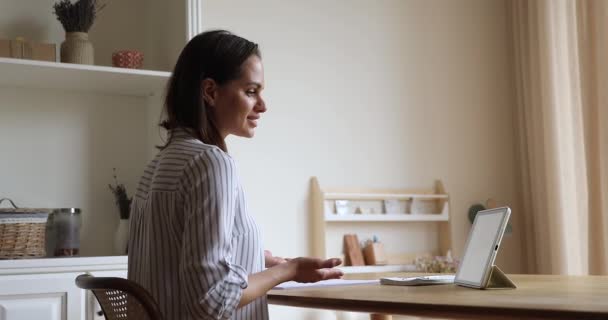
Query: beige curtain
[{"x": 561, "y": 63}]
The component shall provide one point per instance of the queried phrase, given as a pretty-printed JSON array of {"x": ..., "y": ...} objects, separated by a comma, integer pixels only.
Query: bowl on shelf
[{"x": 131, "y": 59}]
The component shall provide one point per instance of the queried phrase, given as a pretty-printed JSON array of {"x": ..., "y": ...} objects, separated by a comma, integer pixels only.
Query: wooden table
[{"x": 536, "y": 297}]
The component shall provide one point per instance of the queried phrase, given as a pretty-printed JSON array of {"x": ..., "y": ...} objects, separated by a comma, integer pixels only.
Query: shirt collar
[{"x": 180, "y": 133}]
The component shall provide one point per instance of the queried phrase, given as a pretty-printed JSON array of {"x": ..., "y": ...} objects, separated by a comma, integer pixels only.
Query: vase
[
  {"x": 77, "y": 48},
  {"x": 121, "y": 238}
]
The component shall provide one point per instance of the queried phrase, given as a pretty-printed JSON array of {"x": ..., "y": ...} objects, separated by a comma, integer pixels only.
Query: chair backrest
[{"x": 121, "y": 298}]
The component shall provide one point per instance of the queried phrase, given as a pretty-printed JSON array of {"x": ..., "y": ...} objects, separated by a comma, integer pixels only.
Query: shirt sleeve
[{"x": 211, "y": 284}]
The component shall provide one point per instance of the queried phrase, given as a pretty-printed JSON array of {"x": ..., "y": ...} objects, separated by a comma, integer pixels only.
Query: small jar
[{"x": 66, "y": 224}]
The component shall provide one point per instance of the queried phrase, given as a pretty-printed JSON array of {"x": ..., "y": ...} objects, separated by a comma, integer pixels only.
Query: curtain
[{"x": 561, "y": 81}]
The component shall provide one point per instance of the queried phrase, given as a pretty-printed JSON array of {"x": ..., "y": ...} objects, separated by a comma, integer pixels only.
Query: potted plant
[
  {"x": 123, "y": 202},
  {"x": 76, "y": 19}
]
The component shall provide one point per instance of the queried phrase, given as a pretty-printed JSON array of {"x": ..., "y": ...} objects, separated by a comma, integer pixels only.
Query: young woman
[{"x": 192, "y": 244}]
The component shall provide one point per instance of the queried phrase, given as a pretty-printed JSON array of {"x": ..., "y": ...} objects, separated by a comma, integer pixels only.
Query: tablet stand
[{"x": 499, "y": 280}]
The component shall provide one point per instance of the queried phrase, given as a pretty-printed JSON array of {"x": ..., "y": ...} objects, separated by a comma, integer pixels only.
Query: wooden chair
[{"x": 121, "y": 298}]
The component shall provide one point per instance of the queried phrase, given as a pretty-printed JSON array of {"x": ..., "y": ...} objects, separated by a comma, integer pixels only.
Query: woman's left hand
[{"x": 271, "y": 261}]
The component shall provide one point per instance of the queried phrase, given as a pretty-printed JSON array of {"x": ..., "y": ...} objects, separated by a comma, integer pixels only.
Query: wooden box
[
  {"x": 374, "y": 254},
  {"x": 21, "y": 49}
]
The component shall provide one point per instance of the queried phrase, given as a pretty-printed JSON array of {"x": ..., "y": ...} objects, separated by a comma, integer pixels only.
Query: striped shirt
[{"x": 192, "y": 243}]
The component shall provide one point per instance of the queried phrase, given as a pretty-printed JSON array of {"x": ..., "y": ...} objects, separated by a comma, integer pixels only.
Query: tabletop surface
[{"x": 536, "y": 296}]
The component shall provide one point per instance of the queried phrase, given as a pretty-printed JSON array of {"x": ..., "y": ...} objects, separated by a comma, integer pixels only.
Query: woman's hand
[
  {"x": 313, "y": 269},
  {"x": 270, "y": 261},
  {"x": 298, "y": 269}
]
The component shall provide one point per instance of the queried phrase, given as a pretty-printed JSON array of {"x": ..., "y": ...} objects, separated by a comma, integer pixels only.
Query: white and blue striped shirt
[{"x": 192, "y": 243}]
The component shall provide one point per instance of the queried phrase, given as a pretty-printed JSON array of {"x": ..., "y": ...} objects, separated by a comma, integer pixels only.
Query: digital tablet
[{"x": 482, "y": 246}]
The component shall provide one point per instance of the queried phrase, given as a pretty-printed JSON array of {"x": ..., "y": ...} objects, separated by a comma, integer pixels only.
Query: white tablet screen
[{"x": 480, "y": 246}]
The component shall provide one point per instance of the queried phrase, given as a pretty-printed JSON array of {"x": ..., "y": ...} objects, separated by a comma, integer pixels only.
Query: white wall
[
  {"x": 387, "y": 93},
  {"x": 32, "y": 20}
]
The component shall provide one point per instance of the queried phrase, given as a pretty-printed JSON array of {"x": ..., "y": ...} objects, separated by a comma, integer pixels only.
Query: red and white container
[{"x": 131, "y": 59}]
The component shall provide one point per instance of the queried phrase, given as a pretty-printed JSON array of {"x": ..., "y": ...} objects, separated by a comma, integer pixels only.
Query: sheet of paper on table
[{"x": 324, "y": 283}]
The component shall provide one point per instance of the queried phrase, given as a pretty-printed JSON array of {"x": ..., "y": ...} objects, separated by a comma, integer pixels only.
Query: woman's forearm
[
  {"x": 301, "y": 269},
  {"x": 259, "y": 283}
]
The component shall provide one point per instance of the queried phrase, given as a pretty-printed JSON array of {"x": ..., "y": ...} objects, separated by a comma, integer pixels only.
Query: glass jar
[{"x": 66, "y": 225}]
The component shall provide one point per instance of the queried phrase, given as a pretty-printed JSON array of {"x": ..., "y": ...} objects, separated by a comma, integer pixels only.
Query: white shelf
[
  {"x": 386, "y": 217},
  {"x": 81, "y": 78},
  {"x": 380, "y": 196}
]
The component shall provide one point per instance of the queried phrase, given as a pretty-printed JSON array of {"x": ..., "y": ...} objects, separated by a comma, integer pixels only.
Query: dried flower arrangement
[
  {"x": 437, "y": 264},
  {"x": 78, "y": 16},
  {"x": 122, "y": 198}
]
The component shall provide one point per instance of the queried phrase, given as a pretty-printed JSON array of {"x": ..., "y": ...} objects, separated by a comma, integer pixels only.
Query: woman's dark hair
[{"x": 216, "y": 55}]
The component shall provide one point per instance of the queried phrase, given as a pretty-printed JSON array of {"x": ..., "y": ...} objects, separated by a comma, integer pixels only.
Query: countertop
[{"x": 50, "y": 265}]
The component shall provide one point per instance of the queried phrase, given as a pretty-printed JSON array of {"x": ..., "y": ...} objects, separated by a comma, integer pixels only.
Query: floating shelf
[
  {"x": 396, "y": 217},
  {"x": 81, "y": 78}
]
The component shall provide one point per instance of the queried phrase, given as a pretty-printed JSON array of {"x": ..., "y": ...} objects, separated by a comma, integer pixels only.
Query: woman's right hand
[
  {"x": 312, "y": 269},
  {"x": 298, "y": 269}
]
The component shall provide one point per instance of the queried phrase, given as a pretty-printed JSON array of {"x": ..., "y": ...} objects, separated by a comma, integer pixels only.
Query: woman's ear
[{"x": 209, "y": 91}]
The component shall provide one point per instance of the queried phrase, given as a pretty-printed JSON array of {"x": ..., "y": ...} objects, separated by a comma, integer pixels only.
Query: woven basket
[{"x": 22, "y": 232}]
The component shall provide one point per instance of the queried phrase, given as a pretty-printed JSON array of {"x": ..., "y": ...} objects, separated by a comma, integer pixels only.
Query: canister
[{"x": 66, "y": 224}]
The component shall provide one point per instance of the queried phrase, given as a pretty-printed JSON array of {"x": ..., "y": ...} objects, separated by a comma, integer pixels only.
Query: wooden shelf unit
[{"x": 324, "y": 216}]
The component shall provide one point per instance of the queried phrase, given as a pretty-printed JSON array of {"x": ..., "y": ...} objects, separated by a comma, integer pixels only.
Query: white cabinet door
[
  {"x": 40, "y": 296},
  {"x": 27, "y": 307}
]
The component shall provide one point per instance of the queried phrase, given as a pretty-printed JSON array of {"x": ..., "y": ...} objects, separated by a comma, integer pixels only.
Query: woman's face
[{"x": 238, "y": 104}]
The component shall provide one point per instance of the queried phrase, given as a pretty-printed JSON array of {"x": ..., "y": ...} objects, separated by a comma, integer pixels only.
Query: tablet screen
[{"x": 488, "y": 227}]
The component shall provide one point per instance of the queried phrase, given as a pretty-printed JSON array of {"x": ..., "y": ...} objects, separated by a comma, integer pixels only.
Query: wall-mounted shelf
[
  {"x": 383, "y": 213},
  {"x": 81, "y": 78}
]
